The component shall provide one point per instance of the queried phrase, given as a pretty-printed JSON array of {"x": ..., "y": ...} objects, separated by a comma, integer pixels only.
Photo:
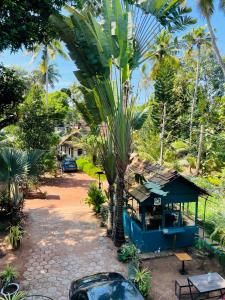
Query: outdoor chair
[{"x": 182, "y": 290}]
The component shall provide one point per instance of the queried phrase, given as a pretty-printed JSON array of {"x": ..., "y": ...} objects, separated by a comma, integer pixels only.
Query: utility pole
[
  {"x": 162, "y": 135},
  {"x": 200, "y": 147}
]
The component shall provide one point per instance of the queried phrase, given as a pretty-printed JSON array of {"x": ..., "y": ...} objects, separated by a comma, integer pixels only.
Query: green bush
[
  {"x": 87, "y": 167},
  {"x": 128, "y": 252},
  {"x": 95, "y": 198},
  {"x": 104, "y": 213}
]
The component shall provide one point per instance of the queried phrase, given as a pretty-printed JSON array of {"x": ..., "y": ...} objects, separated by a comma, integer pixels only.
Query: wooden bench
[{"x": 180, "y": 285}]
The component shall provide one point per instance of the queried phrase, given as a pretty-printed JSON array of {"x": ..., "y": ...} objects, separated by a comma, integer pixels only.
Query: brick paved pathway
[{"x": 64, "y": 238}]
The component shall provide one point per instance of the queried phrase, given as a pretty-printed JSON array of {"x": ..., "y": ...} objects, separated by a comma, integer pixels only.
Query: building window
[{"x": 79, "y": 152}]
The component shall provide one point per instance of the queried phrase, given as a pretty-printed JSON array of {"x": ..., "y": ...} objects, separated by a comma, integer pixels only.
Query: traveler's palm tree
[
  {"x": 207, "y": 8},
  {"x": 48, "y": 51},
  {"x": 106, "y": 50},
  {"x": 196, "y": 38}
]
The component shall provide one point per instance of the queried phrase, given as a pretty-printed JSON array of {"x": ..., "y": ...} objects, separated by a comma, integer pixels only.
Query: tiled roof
[{"x": 155, "y": 174}]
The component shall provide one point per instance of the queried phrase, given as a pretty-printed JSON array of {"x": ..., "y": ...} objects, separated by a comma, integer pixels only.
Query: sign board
[{"x": 157, "y": 201}]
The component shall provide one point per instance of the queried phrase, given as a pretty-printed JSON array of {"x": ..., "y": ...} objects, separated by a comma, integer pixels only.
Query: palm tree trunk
[
  {"x": 200, "y": 146},
  {"x": 46, "y": 78},
  {"x": 195, "y": 94},
  {"x": 162, "y": 135},
  {"x": 111, "y": 191},
  {"x": 118, "y": 234},
  {"x": 215, "y": 48}
]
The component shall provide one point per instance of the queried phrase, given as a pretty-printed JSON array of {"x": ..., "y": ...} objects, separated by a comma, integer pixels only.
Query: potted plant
[
  {"x": 142, "y": 280},
  {"x": 15, "y": 236},
  {"x": 9, "y": 287},
  {"x": 18, "y": 296}
]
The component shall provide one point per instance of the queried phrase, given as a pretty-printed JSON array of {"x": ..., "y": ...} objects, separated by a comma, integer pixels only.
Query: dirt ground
[{"x": 166, "y": 270}]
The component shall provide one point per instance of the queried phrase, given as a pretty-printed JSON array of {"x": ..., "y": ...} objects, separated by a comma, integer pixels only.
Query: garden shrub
[
  {"x": 95, "y": 198},
  {"x": 104, "y": 212},
  {"x": 127, "y": 252},
  {"x": 87, "y": 167},
  {"x": 142, "y": 280}
]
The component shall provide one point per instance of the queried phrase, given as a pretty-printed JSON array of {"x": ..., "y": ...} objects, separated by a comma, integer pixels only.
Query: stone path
[{"x": 64, "y": 240}]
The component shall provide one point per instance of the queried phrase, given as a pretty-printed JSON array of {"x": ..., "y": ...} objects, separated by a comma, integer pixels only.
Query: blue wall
[{"x": 152, "y": 240}]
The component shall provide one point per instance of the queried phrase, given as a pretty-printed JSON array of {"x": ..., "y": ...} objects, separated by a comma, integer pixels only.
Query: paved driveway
[{"x": 64, "y": 240}]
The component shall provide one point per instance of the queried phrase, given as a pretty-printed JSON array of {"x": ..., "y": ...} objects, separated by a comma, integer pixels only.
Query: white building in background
[{"x": 71, "y": 148}]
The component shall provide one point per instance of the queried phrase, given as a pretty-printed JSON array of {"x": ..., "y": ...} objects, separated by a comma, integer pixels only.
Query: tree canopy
[
  {"x": 12, "y": 91},
  {"x": 25, "y": 22}
]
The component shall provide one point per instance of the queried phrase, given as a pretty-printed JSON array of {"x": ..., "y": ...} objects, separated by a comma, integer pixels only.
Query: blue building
[{"x": 154, "y": 216}]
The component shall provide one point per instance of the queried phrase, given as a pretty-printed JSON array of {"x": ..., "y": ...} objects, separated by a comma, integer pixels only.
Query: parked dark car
[
  {"x": 69, "y": 165},
  {"x": 104, "y": 286}
]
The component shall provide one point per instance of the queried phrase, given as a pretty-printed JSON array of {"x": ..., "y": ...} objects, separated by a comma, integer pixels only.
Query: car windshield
[{"x": 114, "y": 290}]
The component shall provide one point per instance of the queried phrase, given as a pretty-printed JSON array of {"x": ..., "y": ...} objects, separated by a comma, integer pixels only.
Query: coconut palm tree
[
  {"x": 164, "y": 48},
  {"x": 196, "y": 38},
  {"x": 207, "y": 9},
  {"x": 53, "y": 76},
  {"x": 48, "y": 51}
]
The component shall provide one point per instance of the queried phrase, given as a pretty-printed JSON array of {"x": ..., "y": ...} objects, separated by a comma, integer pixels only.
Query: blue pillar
[{"x": 196, "y": 212}]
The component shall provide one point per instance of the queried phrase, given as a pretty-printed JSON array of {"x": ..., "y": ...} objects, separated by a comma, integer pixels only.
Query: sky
[{"x": 66, "y": 68}]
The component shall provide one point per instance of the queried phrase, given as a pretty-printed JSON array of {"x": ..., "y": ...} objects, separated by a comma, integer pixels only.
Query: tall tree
[
  {"x": 12, "y": 92},
  {"x": 207, "y": 9},
  {"x": 48, "y": 50},
  {"x": 197, "y": 37}
]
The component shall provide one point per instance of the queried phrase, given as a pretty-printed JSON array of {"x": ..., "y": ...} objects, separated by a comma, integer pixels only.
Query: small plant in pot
[
  {"x": 15, "y": 236},
  {"x": 142, "y": 280},
  {"x": 18, "y": 296},
  {"x": 9, "y": 286}
]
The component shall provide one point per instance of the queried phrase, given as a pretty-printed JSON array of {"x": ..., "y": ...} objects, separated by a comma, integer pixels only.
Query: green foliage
[
  {"x": 95, "y": 198},
  {"x": 104, "y": 212},
  {"x": 127, "y": 252},
  {"x": 25, "y": 22},
  {"x": 8, "y": 275},
  {"x": 86, "y": 166},
  {"x": 15, "y": 236},
  {"x": 12, "y": 89},
  {"x": 35, "y": 122},
  {"x": 16, "y": 167},
  {"x": 143, "y": 281},
  {"x": 18, "y": 296}
]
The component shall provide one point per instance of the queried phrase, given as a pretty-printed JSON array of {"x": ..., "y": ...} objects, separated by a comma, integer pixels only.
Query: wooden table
[
  {"x": 206, "y": 284},
  {"x": 183, "y": 257}
]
